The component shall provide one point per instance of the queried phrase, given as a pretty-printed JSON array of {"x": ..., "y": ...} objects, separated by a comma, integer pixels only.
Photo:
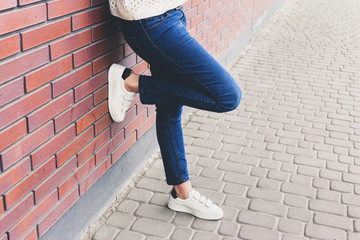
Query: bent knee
[{"x": 232, "y": 100}]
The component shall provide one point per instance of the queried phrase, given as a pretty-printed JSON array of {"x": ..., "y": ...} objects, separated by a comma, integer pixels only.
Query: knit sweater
[{"x": 139, "y": 9}]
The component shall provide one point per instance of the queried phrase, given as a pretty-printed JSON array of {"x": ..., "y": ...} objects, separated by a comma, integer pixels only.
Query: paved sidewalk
[{"x": 285, "y": 164}]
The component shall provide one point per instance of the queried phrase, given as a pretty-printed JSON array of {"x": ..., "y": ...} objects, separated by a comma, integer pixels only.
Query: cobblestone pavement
[{"x": 285, "y": 164}]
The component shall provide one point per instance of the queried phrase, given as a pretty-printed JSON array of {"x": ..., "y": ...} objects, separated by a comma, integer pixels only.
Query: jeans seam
[
  {"x": 170, "y": 60},
  {"x": 176, "y": 155}
]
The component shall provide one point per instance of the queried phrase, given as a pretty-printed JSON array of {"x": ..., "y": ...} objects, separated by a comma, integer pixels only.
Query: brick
[
  {"x": 90, "y": 86},
  {"x": 116, "y": 127},
  {"x": 10, "y": 69},
  {"x": 90, "y": 52},
  {"x": 110, "y": 146},
  {"x": 327, "y": 206},
  {"x": 13, "y": 133},
  {"x": 29, "y": 183},
  {"x": 102, "y": 30},
  {"x": 50, "y": 110},
  {"x": 257, "y": 219},
  {"x": 91, "y": 117},
  {"x": 134, "y": 124},
  {"x": 2, "y": 206},
  {"x": 11, "y": 91},
  {"x": 7, "y": 4},
  {"x": 70, "y": 80},
  {"x": 145, "y": 126},
  {"x": 26, "y": 145},
  {"x": 52, "y": 146},
  {"x": 21, "y": 18},
  {"x": 13, "y": 215},
  {"x": 89, "y": 180},
  {"x": 30, "y": 219},
  {"x": 322, "y": 232},
  {"x": 255, "y": 233},
  {"x": 24, "y": 105},
  {"x": 53, "y": 180},
  {"x": 76, "y": 177},
  {"x": 70, "y": 43},
  {"x": 93, "y": 146},
  {"x": 32, "y": 234},
  {"x": 9, "y": 45},
  {"x": 89, "y": 17},
  {"x": 106, "y": 60},
  {"x": 334, "y": 221},
  {"x": 45, "y": 33},
  {"x": 58, "y": 210},
  {"x": 152, "y": 227},
  {"x": 25, "y": 2},
  {"x": 73, "y": 113},
  {"x": 64, "y": 7},
  {"x": 47, "y": 73},
  {"x": 124, "y": 146},
  {"x": 74, "y": 146},
  {"x": 100, "y": 94},
  {"x": 12, "y": 176}
]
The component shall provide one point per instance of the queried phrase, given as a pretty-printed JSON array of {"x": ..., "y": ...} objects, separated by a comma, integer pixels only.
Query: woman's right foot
[
  {"x": 119, "y": 99},
  {"x": 195, "y": 204}
]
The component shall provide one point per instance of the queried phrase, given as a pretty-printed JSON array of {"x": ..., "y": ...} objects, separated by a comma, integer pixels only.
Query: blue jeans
[{"x": 182, "y": 73}]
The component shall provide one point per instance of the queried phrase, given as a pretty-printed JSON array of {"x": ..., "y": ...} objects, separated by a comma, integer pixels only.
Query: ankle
[{"x": 131, "y": 83}]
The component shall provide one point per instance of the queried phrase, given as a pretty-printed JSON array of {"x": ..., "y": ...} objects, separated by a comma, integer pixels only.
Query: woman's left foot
[
  {"x": 195, "y": 204},
  {"x": 119, "y": 99}
]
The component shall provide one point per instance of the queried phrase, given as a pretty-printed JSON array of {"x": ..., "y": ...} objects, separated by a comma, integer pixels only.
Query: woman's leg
[{"x": 183, "y": 73}]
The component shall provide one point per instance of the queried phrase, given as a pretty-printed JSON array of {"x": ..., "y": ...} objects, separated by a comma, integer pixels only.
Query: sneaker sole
[
  {"x": 180, "y": 208},
  {"x": 114, "y": 90}
]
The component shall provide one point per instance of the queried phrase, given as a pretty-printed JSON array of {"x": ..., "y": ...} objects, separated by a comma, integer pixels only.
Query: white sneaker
[
  {"x": 119, "y": 99},
  {"x": 195, "y": 204}
]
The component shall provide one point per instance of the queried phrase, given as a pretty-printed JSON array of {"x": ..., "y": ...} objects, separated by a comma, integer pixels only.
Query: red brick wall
[{"x": 56, "y": 135}]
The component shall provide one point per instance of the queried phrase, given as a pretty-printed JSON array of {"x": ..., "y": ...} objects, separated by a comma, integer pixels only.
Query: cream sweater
[{"x": 138, "y": 9}]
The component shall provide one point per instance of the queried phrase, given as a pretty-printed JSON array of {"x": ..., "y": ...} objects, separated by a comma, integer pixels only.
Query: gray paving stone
[
  {"x": 229, "y": 229},
  {"x": 237, "y": 202},
  {"x": 268, "y": 207},
  {"x": 182, "y": 233},
  {"x": 235, "y": 189},
  {"x": 128, "y": 206},
  {"x": 257, "y": 219},
  {"x": 300, "y": 214},
  {"x": 298, "y": 189},
  {"x": 128, "y": 235},
  {"x": 290, "y": 226},
  {"x": 234, "y": 167},
  {"x": 183, "y": 219},
  {"x": 207, "y": 162},
  {"x": 293, "y": 237},
  {"x": 152, "y": 227},
  {"x": 160, "y": 199},
  {"x": 323, "y": 232},
  {"x": 295, "y": 201},
  {"x": 240, "y": 179},
  {"x": 140, "y": 195},
  {"x": 207, "y": 183},
  {"x": 334, "y": 221},
  {"x": 205, "y": 236},
  {"x": 230, "y": 213},
  {"x": 353, "y": 236},
  {"x": 256, "y": 233},
  {"x": 265, "y": 194},
  {"x": 106, "y": 233},
  {"x": 212, "y": 173},
  {"x": 120, "y": 220},
  {"x": 327, "y": 206},
  {"x": 153, "y": 185},
  {"x": 205, "y": 225},
  {"x": 269, "y": 184},
  {"x": 324, "y": 194},
  {"x": 354, "y": 211},
  {"x": 160, "y": 213}
]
